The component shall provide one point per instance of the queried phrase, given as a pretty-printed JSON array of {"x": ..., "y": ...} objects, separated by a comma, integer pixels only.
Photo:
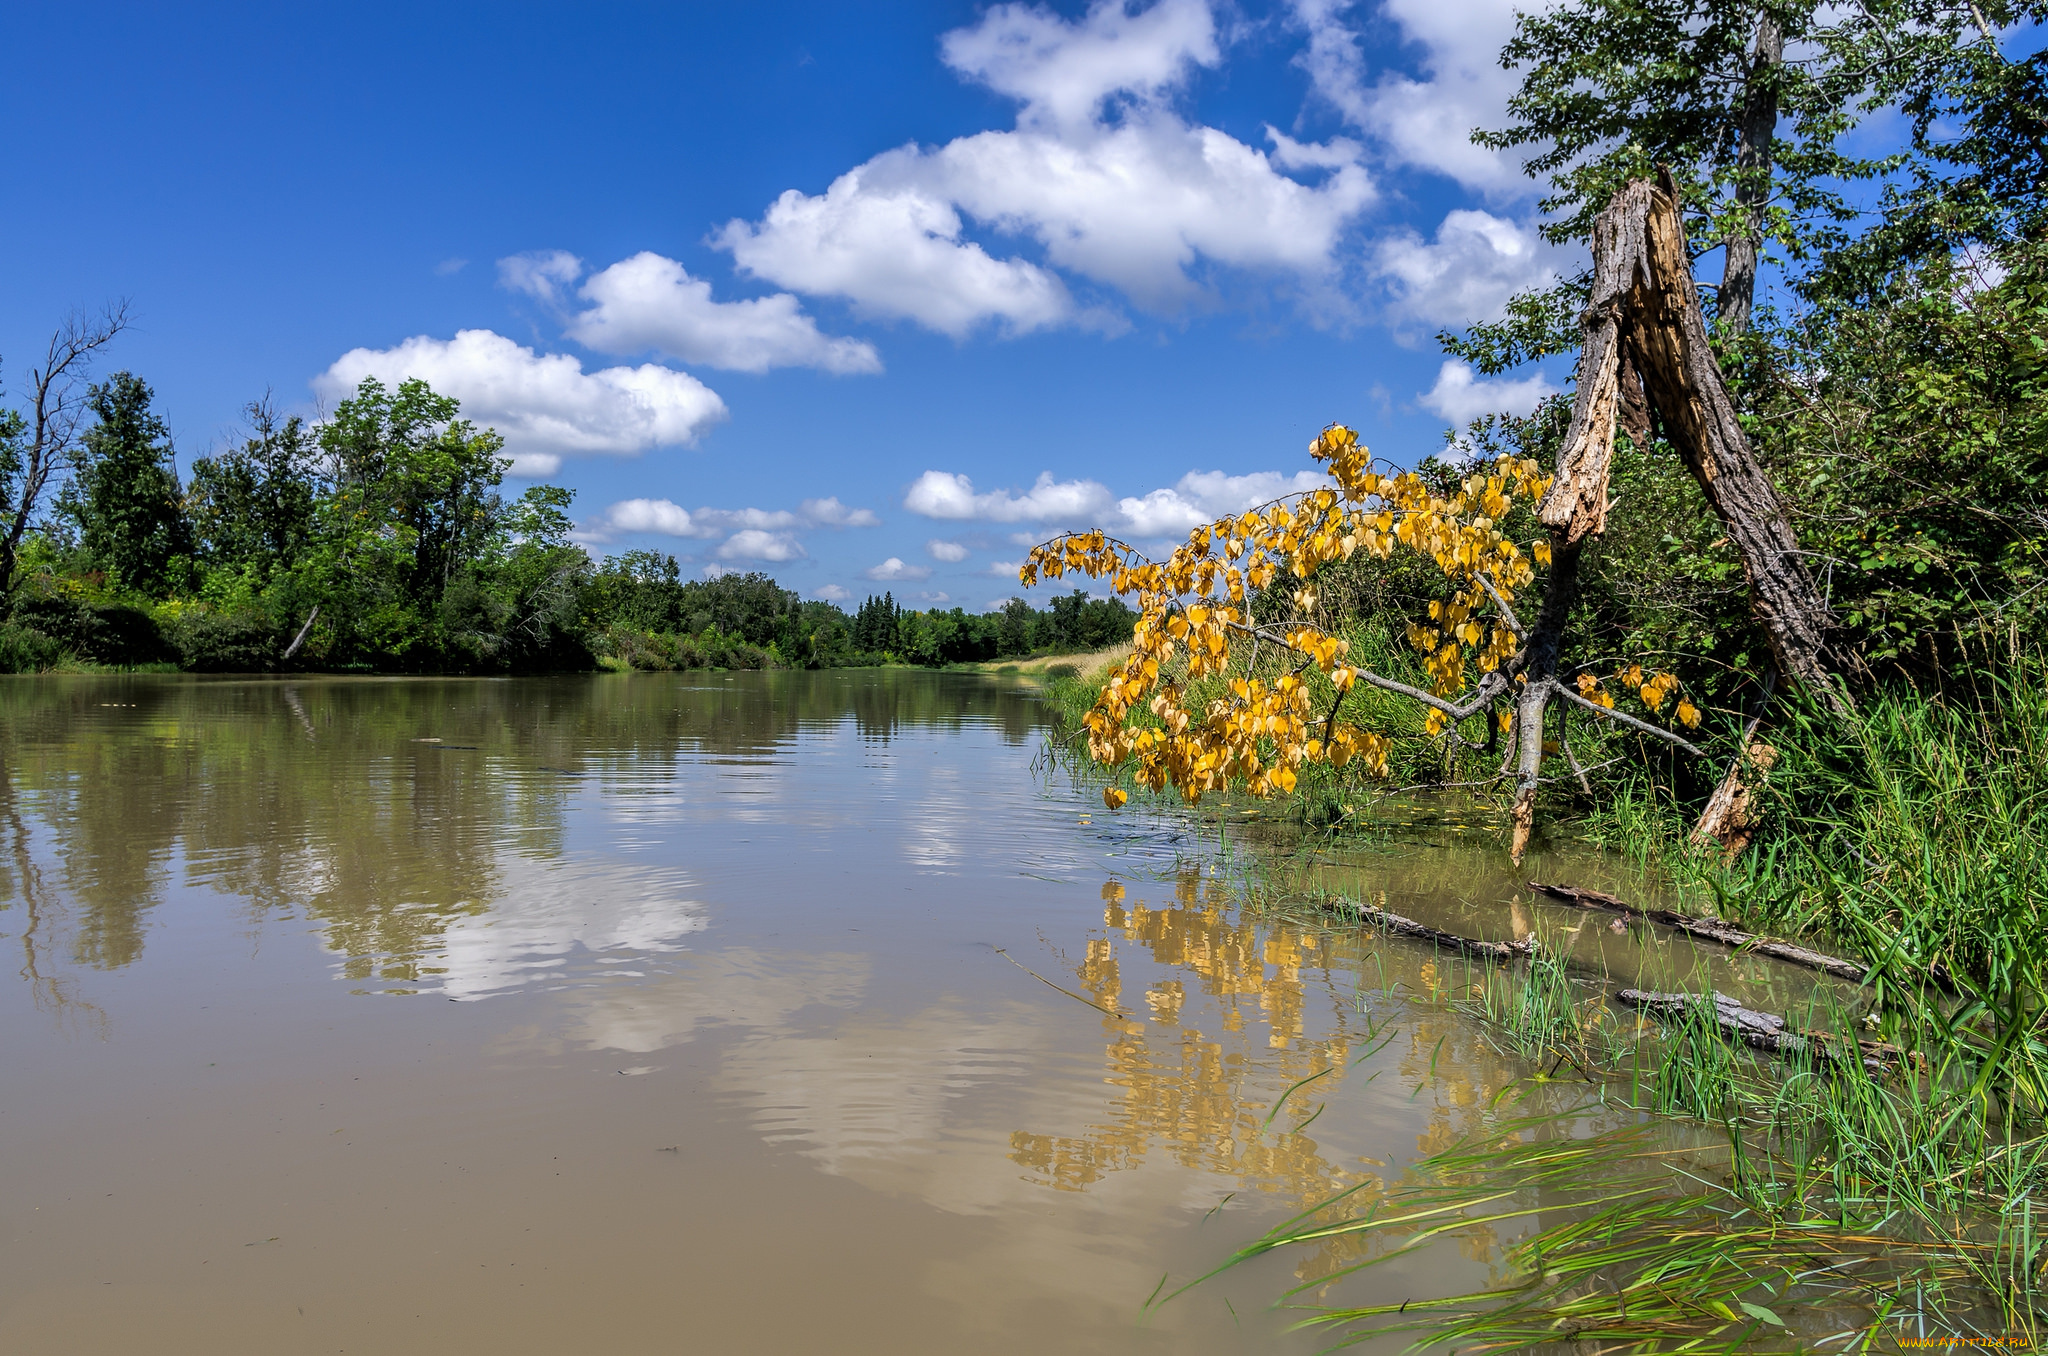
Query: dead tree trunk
[
  {"x": 1752, "y": 177},
  {"x": 1646, "y": 346},
  {"x": 1539, "y": 684}
]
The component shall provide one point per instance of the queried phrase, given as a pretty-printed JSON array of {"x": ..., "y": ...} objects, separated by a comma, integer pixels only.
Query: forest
[{"x": 380, "y": 540}]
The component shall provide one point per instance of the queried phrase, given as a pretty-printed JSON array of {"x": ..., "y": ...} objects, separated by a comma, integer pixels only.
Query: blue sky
[{"x": 810, "y": 288}]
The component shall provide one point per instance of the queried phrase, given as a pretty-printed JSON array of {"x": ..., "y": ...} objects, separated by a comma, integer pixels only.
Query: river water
[{"x": 776, "y": 1012}]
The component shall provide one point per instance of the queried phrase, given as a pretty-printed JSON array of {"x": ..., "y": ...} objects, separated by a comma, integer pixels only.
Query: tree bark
[
  {"x": 1539, "y": 681},
  {"x": 300, "y": 638},
  {"x": 1764, "y": 1030},
  {"x": 1521, "y": 948},
  {"x": 1643, "y": 325},
  {"x": 1712, "y": 929},
  {"x": 1759, "y": 126}
]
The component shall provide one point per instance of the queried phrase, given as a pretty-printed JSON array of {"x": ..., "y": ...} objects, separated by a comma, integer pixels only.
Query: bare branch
[
  {"x": 1641, "y": 726},
  {"x": 1585, "y": 786},
  {"x": 1507, "y": 614},
  {"x": 1491, "y": 686},
  {"x": 57, "y": 408}
]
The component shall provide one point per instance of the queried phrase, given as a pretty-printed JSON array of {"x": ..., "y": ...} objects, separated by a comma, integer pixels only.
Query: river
[{"x": 752, "y": 1012}]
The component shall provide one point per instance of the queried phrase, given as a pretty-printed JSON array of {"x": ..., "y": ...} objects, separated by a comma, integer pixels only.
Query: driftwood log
[
  {"x": 1470, "y": 946},
  {"x": 1712, "y": 929},
  {"x": 1761, "y": 1030},
  {"x": 304, "y": 631}
]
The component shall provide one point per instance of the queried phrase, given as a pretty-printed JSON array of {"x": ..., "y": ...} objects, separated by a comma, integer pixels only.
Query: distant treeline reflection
[{"x": 385, "y": 811}]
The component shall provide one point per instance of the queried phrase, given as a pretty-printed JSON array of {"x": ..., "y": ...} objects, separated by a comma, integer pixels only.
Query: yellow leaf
[{"x": 1114, "y": 797}]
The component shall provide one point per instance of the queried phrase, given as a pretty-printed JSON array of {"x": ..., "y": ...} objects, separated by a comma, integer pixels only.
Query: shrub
[
  {"x": 23, "y": 649},
  {"x": 103, "y": 632},
  {"x": 241, "y": 641}
]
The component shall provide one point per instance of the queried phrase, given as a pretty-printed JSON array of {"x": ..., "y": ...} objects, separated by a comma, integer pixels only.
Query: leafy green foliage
[
  {"x": 382, "y": 535},
  {"x": 253, "y": 508},
  {"x": 124, "y": 497}
]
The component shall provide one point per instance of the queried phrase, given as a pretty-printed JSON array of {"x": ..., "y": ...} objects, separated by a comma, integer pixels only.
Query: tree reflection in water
[{"x": 386, "y": 810}]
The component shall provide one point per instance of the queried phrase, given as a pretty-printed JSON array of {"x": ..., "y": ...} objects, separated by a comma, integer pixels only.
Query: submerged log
[
  {"x": 1761, "y": 1030},
  {"x": 1712, "y": 929},
  {"x": 1471, "y": 946}
]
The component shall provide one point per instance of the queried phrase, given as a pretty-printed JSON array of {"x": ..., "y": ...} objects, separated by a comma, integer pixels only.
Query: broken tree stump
[{"x": 1645, "y": 350}]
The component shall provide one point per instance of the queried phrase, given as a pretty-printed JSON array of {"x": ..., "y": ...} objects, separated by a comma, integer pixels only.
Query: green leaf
[{"x": 1758, "y": 1311}]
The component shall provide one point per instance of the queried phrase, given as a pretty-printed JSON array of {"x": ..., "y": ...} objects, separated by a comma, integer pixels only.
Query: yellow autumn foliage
[{"x": 1193, "y": 606}]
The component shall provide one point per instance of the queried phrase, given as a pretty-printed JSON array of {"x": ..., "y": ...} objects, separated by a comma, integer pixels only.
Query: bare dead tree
[
  {"x": 1737, "y": 293},
  {"x": 49, "y": 432},
  {"x": 1646, "y": 353}
]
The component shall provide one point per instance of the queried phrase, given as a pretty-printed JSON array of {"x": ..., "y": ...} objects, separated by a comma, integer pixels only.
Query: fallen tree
[
  {"x": 1709, "y": 929},
  {"x": 1762, "y": 1030}
]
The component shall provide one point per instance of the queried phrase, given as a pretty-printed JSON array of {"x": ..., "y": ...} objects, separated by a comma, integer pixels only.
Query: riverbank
[
  {"x": 1912, "y": 839},
  {"x": 1084, "y": 670}
]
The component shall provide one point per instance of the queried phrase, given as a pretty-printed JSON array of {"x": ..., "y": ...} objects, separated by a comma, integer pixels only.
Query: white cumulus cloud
[
  {"x": 893, "y": 248},
  {"x": 1062, "y": 70},
  {"x": 832, "y": 593},
  {"x": 545, "y": 274},
  {"x": 757, "y": 531},
  {"x": 830, "y": 512},
  {"x": 950, "y": 551},
  {"x": 1204, "y": 496},
  {"x": 1424, "y": 119},
  {"x": 1461, "y": 395},
  {"x": 945, "y": 494},
  {"x": 1136, "y": 201},
  {"x": 755, "y": 543},
  {"x": 894, "y": 568},
  {"x": 1198, "y": 497},
  {"x": 1466, "y": 274},
  {"x": 545, "y": 405},
  {"x": 654, "y": 515},
  {"x": 651, "y": 304},
  {"x": 1136, "y": 206}
]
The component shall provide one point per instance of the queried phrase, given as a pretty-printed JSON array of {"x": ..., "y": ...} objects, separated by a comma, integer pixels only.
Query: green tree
[
  {"x": 414, "y": 504},
  {"x": 124, "y": 496},
  {"x": 751, "y": 606},
  {"x": 1746, "y": 103},
  {"x": 253, "y": 507},
  {"x": 639, "y": 589},
  {"x": 34, "y": 446},
  {"x": 875, "y": 626}
]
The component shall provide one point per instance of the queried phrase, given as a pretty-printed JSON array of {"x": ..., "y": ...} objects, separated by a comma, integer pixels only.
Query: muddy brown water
[{"x": 711, "y": 1013}]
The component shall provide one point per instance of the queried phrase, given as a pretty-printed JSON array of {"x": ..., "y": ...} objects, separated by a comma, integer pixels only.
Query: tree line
[{"x": 381, "y": 539}]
